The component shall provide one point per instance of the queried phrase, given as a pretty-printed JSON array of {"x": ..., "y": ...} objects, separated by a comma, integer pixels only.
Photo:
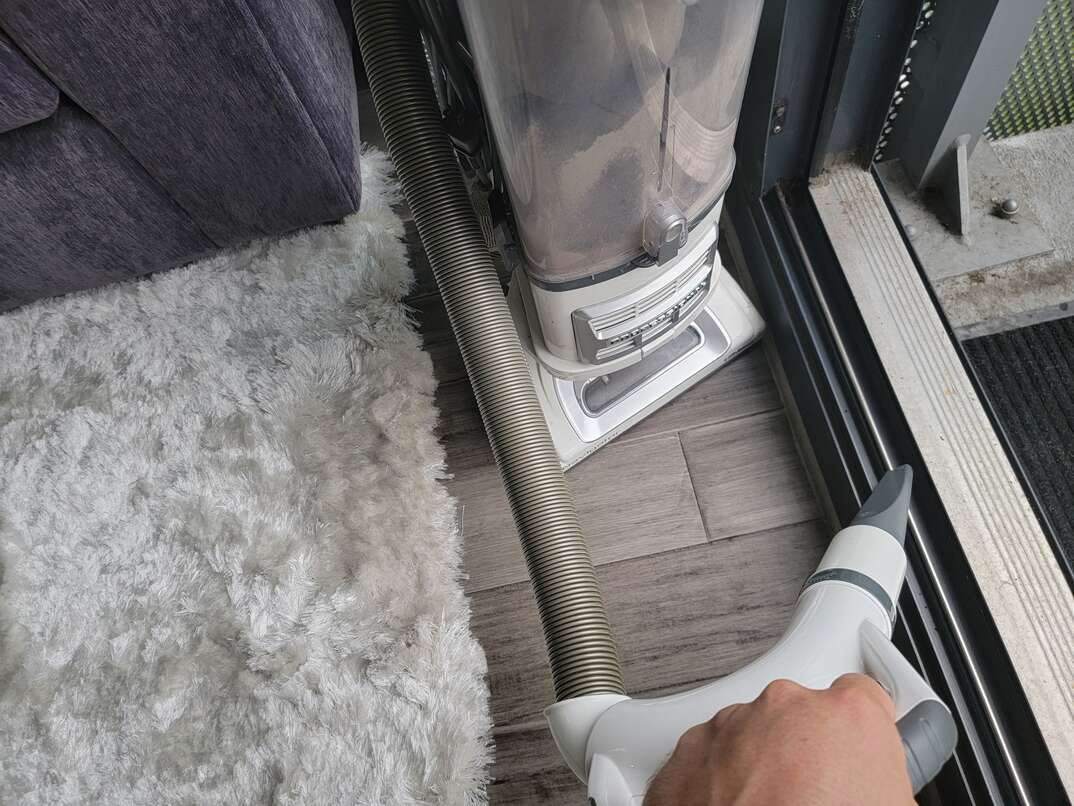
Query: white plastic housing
[{"x": 729, "y": 323}]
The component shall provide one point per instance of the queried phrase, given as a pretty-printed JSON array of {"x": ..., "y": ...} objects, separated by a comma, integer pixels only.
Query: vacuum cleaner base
[{"x": 585, "y": 414}]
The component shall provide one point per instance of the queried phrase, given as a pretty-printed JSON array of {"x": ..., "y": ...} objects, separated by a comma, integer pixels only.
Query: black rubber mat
[{"x": 1028, "y": 375}]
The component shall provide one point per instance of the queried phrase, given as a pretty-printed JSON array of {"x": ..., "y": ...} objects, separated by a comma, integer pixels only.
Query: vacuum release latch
[{"x": 664, "y": 231}]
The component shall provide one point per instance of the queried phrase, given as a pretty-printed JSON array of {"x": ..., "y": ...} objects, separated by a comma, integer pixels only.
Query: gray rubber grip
[
  {"x": 928, "y": 736},
  {"x": 926, "y": 727}
]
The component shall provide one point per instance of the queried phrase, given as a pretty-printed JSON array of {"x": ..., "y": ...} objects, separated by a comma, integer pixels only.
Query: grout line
[
  {"x": 519, "y": 727},
  {"x": 625, "y": 438},
  {"x": 755, "y": 415},
  {"x": 693, "y": 489},
  {"x": 818, "y": 519}
]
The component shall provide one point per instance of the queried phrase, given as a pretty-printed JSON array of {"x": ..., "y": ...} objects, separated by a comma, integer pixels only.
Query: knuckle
[
  {"x": 860, "y": 697},
  {"x": 723, "y": 716},
  {"x": 694, "y": 736},
  {"x": 779, "y": 690}
]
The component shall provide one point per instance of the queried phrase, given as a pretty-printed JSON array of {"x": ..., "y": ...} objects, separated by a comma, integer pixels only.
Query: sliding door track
[
  {"x": 1009, "y": 554},
  {"x": 858, "y": 426}
]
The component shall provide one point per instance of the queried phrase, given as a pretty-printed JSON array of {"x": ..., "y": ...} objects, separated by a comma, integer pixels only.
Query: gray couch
[{"x": 137, "y": 135}]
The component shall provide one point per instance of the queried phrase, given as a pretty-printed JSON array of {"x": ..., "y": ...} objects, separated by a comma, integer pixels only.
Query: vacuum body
[{"x": 614, "y": 125}]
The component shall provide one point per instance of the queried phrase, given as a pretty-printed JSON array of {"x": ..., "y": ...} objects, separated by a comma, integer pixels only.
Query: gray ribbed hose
[{"x": 581, "y": 651}]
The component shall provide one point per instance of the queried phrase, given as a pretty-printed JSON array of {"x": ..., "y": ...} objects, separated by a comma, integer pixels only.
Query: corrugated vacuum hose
[{"x": 581, "y": 651}]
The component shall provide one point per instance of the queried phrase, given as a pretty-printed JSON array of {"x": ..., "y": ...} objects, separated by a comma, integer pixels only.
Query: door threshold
[{"x": 1009, "y": 554}]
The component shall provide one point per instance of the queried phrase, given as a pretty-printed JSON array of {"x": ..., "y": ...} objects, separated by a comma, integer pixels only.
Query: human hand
[{"x": 792, "y": 745}]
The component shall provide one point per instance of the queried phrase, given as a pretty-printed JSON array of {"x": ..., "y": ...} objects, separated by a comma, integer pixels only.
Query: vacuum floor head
[{"x": 585, "y": 413}]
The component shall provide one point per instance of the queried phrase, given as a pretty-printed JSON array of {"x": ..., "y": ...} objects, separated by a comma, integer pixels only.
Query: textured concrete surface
[{"x": 1036, "y": 289}]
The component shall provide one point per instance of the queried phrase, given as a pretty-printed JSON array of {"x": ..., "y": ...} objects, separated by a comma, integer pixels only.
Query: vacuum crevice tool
[{"x": 888, "y": 507}]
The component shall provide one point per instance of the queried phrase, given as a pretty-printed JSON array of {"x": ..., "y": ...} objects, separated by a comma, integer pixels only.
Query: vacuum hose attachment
[{"x": 581, "y": 651}]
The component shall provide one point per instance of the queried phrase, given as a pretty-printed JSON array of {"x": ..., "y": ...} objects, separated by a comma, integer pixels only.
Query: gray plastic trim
[
  {"x": 889, "y": 505},
  {"x": 858, "y": 579}
]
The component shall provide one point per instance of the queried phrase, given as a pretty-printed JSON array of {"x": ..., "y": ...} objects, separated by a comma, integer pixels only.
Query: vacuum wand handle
[
  {"x": 837, "y": 628},
  {"x": 842, "y": 624}
]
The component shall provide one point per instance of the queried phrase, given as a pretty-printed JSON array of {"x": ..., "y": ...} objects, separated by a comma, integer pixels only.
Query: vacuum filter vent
[{"x": 617, "y": 326}]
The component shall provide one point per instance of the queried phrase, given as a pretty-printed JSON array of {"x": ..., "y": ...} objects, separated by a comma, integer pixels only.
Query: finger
[{"x": 867, "y": 687}]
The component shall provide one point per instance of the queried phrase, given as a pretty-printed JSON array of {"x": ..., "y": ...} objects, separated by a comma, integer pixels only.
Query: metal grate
[
  {"x": 902, "y": 85},
  {"x": 1040, "y": 93}
]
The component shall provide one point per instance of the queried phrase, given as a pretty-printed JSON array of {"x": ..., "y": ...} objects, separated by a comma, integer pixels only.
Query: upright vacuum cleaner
[
  {"x": 613, "y": 124},
  {"x": 608, "y": 126}
]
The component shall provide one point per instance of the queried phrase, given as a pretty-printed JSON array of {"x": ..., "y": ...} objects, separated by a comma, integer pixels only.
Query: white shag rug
[{"x": 229, "y": 572}]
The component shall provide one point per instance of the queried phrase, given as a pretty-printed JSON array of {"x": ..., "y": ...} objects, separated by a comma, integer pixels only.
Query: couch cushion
[
  {"x": 241, "y": 110},
  {"x": 26, "y": 96},
  {"x": 79, "y": 212},
  {"x": 312, "y": 48}
]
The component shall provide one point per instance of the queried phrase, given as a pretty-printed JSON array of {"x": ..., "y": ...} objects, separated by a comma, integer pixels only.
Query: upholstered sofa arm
[{"x": 243, "y": 111}]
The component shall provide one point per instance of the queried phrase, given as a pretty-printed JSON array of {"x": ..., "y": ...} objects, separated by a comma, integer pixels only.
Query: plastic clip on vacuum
[{"x": 842, "y": 624}]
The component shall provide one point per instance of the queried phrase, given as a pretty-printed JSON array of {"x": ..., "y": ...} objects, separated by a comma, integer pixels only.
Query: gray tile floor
[{"x": 701, "y": 522}]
